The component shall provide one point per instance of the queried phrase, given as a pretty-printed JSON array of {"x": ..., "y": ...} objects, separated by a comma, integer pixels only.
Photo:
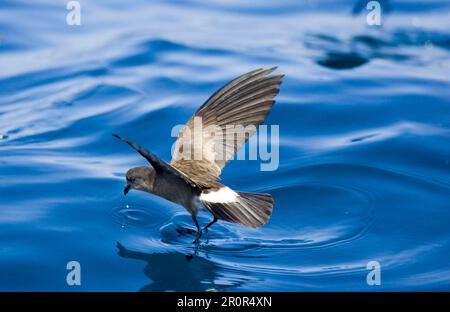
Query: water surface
[{"x": 364, "y": 115}]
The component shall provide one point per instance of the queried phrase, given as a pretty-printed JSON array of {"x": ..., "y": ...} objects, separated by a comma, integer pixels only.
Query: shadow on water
[
  {"x": 340, "y": 53},
  {"x": 334, "y": 60},
  {"x": 175, "y": 271}
]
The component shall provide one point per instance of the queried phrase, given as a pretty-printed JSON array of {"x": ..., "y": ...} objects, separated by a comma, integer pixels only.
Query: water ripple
[{"x": 364, "y": 154}]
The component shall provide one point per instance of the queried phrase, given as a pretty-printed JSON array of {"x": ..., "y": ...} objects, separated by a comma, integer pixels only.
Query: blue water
[{"x": 364, "y": 115}]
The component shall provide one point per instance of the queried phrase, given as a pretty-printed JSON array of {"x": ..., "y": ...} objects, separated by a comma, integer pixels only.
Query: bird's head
[{"x": 140, "y": 178}]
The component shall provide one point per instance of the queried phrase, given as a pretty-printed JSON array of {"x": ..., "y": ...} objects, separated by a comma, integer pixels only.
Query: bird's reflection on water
[{"x": 175, "y": 271}]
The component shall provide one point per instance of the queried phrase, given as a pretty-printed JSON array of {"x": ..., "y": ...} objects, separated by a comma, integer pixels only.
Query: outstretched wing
[
  {"x": 240, "y": 106},
  {"x": 158, "y": 164}
]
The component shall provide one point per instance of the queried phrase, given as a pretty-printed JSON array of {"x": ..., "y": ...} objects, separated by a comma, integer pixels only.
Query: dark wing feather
[
  {"x": 245, "y": 101},
  {"x": 158, "y": 164}
]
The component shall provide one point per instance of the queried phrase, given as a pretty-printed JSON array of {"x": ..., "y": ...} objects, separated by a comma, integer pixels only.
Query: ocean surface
[{"x": 364, "y": 167}]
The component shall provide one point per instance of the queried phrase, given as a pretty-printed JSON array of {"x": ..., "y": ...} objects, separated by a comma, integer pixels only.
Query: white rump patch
[{"x": 222, "y": 195}]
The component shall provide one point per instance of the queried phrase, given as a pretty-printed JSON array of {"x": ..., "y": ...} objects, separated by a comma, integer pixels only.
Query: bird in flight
[{"x": 192, "y": 177}]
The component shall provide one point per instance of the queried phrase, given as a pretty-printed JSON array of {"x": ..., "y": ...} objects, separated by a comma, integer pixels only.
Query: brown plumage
[
  {"x": 192, "y": 177},
  {"x": 244, "y": 101}
]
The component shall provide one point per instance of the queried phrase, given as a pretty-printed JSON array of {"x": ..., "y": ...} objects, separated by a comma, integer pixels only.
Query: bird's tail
[{"x": 249, "y": 209}]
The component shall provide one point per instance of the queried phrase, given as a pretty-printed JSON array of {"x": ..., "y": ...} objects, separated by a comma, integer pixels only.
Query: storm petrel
[{"x": 193, "y": 182}]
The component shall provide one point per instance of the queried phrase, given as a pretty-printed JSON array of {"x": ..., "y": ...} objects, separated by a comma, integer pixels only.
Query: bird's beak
[{"x": 126, "y": 189}]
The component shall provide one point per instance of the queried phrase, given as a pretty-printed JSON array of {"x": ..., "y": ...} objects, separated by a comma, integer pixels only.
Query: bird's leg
[
  {"x": 210, "y": 223},
  {"x": 199, "y": 229}
]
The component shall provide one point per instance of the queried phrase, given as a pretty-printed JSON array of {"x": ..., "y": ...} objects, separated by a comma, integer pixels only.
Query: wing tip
[{"x": 268, "y": 71}]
